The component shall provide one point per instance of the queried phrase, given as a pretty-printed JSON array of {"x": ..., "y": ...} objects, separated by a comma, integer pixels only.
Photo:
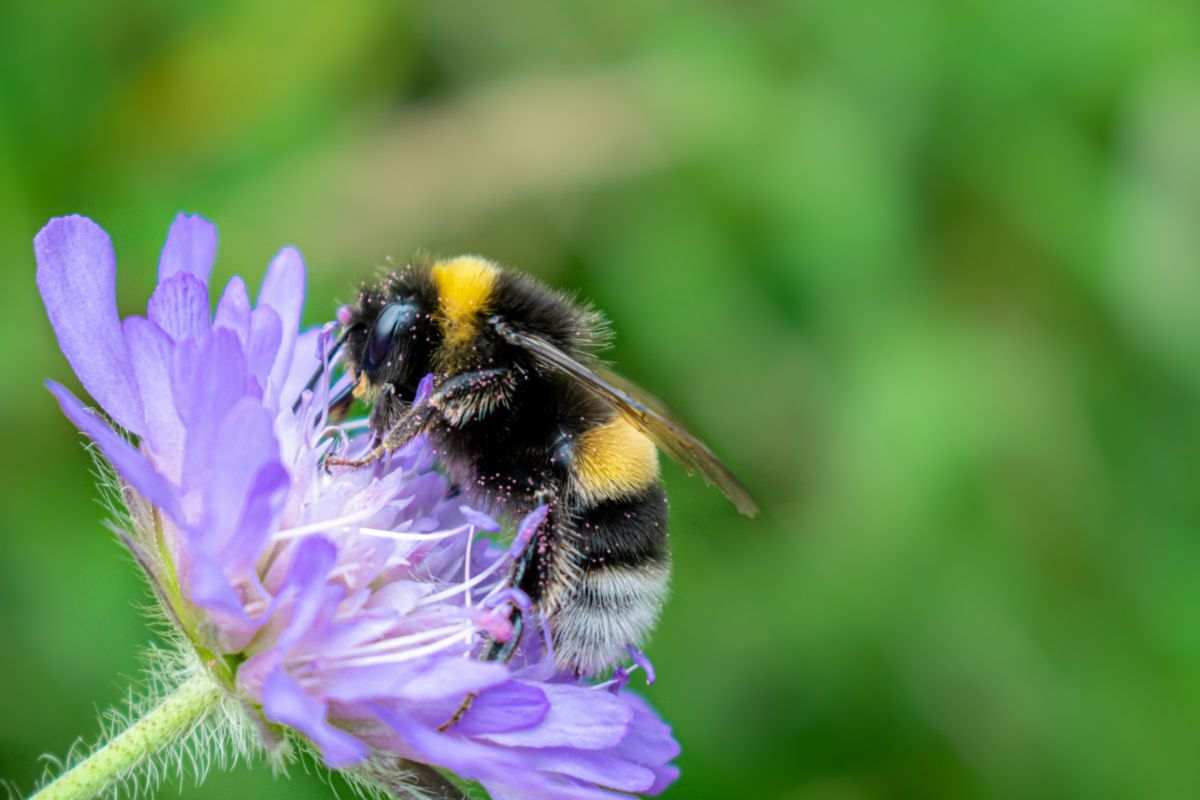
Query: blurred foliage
[{"x": 925, "y": 273}]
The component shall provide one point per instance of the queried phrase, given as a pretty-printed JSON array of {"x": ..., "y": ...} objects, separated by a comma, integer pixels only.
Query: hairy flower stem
[{"x": 179, "y": 711}]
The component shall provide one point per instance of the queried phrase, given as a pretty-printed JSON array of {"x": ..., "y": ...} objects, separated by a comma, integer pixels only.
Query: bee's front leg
[
  {"x": 460, "y": 399},
  {"x": 412, "y": 422}
]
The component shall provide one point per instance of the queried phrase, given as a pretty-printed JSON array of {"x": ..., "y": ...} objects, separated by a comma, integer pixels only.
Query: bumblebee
[{"x": 523, "y": 414}]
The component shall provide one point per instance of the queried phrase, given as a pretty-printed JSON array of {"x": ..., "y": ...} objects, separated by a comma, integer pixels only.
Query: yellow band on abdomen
[{"x": 614, "y": 460}]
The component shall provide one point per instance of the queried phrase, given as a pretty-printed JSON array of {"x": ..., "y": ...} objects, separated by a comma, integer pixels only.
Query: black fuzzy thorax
[{"x": 535, "y": 308}]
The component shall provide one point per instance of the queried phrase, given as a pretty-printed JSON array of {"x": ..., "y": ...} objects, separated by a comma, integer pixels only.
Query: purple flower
[{"x": 350, "y": 607}]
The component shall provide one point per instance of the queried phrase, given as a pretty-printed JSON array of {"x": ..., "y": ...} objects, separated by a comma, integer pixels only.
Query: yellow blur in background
[{"x": 926, "y": 275}]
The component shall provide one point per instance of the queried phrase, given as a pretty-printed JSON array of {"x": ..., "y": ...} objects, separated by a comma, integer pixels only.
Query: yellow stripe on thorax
[
  {"x": 614, "y": 460},
  {"x": 464, "y": 287}
]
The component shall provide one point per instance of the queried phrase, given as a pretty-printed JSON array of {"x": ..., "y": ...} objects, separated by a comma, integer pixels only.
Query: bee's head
[{"x": 390, "y": 338}]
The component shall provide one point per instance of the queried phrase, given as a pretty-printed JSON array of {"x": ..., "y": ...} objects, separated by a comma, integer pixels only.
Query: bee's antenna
[{"x": 312, "y": 382}]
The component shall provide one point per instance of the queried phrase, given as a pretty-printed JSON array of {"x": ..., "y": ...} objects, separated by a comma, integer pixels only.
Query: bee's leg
[
  {"x": 413, "y": 420},
  {"x": 473, "y": 395},
  {"x": 464, "y": 397},
  {"x": 504, "y": 651},
  {"x": 373, "y": 455}
]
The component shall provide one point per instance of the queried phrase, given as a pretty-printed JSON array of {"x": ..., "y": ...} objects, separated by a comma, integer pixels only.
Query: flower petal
[
  {"x": 450, "y": 677},
  {"x": 76, "y": 276},
  {"x": 285, "y": 701},
  {"x": 150, "y": 350},
  {"x": 283, "y": 290},
  {"x": 180, "y": 307},
  {"x": 247, "y": 486},
  {"x": 233, "y": 309},
  {"x": 508, "y": 707},
  {"x": 595, "y": 766},
  {"x": 206, "y": 584},
  {"x": 649, "y": 740},
  {"x": 359, "y": 684},
  {"x": 311, "y": 562},
  {"x": 191, "y": 248},
  {"x": 664, "y": 776},
  {"x": 559, "y": 789},
  {"x": 467, "y": 757},
  {"x": 263, "y": 346},
  {"x": 207, "y": 379},
  {"x": 125, "y": 459},
  {"x": 303, "y": 364},
  {"x": 499, "y": 767},
  {"x": 578, "y": 717}
]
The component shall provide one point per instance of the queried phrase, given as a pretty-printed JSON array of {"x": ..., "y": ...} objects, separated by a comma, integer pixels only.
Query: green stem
[{"x": 162, "y": 725}]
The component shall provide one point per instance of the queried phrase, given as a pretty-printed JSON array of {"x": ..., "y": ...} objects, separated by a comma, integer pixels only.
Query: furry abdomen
[{"x": 624, "y": 566}]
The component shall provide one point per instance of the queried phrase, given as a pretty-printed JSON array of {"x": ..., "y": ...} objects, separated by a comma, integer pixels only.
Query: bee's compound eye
[{"x": 394, "y": 321}]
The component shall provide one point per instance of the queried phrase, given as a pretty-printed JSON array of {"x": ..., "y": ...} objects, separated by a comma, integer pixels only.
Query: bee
[{"x": 523, "y": 414}]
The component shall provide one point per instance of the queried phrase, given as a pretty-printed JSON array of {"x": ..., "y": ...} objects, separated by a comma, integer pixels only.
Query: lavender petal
[
  {"x": 509, "y": 707},
  {"x": 449, "y": 677},
  {"x": 247, "y": 487},
  {"x": 233, "y": 309},
  {"x": 180, "y": 307},
  {"x": 310, "y": 564},
  {"x": 302, "y": 367},
  {"x": 266, "y": 333},
  {"x": 191, "y": 248},
  {"x": 285, "y": 701},
  {"x": 664, "y": 776},
  {"x": 578, "y": 717},
  {"x": 76, "y": 276},
  {"x": 558, "y": 789},
  {"x": 467, "y": 757},
  {"x": 208, "y": 379},
  {"x": 150, "y": 350},
  {"x": 593, "y": 766},
  {"x": 206, "y": 585},
  {"x": 128, "y": 462},
  {"x": 283, "y": 291},
  {"x": 649, "y": 740}
]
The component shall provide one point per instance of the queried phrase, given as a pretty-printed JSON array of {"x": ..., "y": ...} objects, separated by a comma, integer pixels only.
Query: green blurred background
[{"x": 927, "y": 275}]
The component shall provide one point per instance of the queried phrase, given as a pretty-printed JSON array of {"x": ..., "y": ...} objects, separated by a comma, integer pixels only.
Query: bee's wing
[{"x": 640, "y": 408}]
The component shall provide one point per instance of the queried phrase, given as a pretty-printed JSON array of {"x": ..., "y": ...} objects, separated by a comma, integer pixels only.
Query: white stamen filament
[
  {"x": 397, "y": 643},
  {"x": 467, "y": 582},
  {"x": 467, "y": 566},
  {"x": 416, "y": 536},
  {"x": 465, "y": 586},
  {"x": 331, "y": 524},
  {"x": 408, "y": 655}
]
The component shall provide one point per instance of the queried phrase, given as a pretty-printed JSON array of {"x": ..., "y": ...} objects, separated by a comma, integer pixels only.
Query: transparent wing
[{"x": 640, "y": 408}]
